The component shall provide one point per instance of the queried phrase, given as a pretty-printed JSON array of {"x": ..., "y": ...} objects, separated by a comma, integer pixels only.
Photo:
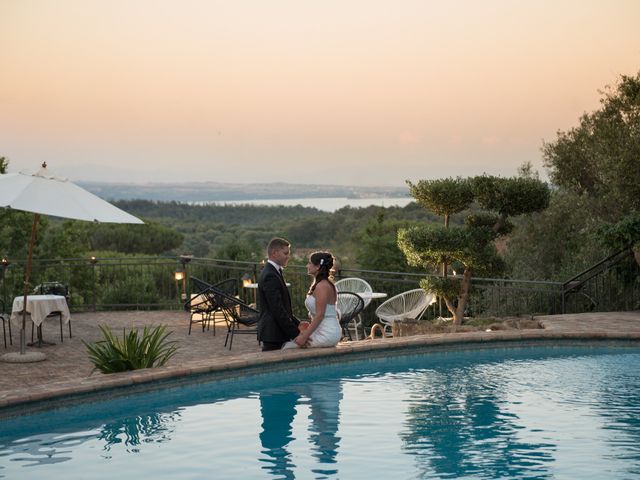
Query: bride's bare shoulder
[{"x": 323, "y": 287}]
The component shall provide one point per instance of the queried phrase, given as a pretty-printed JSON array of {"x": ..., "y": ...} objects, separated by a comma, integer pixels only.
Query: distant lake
[{"x": 325, "y": 204}]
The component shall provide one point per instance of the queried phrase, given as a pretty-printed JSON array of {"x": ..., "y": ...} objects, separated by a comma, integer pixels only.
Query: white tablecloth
[
  {"x": 254, "y": 286},
  {"x": 372, "y": 295},
  {"x": 39, "y": 306}
]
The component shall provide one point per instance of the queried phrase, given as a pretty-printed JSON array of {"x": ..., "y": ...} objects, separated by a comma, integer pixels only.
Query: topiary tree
[
  {"x": 473, "y": 244},
  {"x": 443, "y": 197}
]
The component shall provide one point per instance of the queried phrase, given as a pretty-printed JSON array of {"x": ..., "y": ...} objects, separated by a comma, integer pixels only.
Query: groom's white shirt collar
[{"x": 275, "y": 265}]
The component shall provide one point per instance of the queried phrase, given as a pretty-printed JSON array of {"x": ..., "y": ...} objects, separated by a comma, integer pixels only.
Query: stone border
[{"x": 55, "y": 394}]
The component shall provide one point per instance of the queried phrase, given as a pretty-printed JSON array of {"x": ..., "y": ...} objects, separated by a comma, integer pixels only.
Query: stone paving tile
[
  {"x": 67, "y": 368},
  {"x": 68, "y": 360}
]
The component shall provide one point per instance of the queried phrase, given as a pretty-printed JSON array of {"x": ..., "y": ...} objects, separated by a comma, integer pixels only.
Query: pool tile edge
[{"x": 268, "y": 361}]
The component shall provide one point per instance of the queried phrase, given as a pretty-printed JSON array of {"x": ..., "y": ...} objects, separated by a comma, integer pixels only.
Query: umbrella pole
[{"x": 27, "y": 274}]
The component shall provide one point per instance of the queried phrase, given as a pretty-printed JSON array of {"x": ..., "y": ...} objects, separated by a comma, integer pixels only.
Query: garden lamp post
[
  {"x": 93, "y": 261},
  {"x": 180, "y": 278},
  {"x": 181, "y": 274},
  {"x": 247, "y": 282},
  {"x": 5, "y": 265}
]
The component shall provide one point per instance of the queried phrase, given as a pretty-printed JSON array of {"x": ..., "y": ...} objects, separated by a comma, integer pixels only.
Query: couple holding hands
[{"x": 278, "y": 328}]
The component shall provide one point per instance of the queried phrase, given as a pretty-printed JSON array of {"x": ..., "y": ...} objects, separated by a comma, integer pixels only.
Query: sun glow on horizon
[{"x": 378, "y": 91}]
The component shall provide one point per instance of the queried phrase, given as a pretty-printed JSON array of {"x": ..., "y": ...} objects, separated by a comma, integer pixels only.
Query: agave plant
[{"x": 133, "y": 351}]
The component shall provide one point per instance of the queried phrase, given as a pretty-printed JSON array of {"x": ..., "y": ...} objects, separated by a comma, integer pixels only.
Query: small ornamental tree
[
  {"x": 472, "y": 245},
  {"x": 443, "y": 197}
]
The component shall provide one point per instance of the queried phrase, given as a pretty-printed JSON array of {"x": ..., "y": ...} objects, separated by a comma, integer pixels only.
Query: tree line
[
  {"x": 593, "y": 208},
  {"x": 240, "y": 232}
]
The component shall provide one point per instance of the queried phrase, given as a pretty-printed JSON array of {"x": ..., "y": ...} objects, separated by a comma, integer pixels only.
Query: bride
[{"x": 324, "y": 329}]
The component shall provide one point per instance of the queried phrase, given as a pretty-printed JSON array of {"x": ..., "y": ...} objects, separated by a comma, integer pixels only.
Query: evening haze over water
[
  {"x": 330, "y": 204},
  {"x": 351, "y": 93}
]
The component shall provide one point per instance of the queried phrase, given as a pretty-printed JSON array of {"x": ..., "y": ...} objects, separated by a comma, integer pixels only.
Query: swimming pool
[{"x": 569, "y": 411}]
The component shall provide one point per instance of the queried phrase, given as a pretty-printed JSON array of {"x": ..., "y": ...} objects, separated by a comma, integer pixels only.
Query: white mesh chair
[
  {"x": 359, "y": 286},
  {"x": 407, "y": 305}
]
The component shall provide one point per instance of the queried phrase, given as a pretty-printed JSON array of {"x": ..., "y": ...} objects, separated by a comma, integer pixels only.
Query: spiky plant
[{"x": 151, "y": 349}]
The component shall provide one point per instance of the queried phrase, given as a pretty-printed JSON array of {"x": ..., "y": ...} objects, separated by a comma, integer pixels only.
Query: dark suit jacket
[{"x": 277, "y": 323}]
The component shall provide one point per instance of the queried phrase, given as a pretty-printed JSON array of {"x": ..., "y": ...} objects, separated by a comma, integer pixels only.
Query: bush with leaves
[
  {"x": 135, "y": 289},
  {"x": 377, "y": 246},
  {"x": 623, "y": 234},
  {"x": 111, "y": 355}
]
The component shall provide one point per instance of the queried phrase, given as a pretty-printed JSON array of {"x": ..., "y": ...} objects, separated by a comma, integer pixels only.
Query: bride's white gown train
[{"x": 328, "y": 333}]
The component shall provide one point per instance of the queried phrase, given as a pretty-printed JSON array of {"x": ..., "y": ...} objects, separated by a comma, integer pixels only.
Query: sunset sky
[{"x": 369, "y": 92}]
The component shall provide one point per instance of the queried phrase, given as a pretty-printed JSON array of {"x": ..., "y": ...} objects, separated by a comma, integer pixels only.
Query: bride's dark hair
[{"x": 325, "y": 261}]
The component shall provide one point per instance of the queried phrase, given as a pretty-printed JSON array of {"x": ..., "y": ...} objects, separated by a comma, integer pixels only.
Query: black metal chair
[
  {"x": 5, "y": 320},
  {"x": 198, "y": 285},
  {"x": 229, "y": 285},
  {"x": 349, "y": 305},
  {"x": 53, "y": 288},
  {"x": 203, "y": 304},
  {"x": 201, "y": 309},
  {"x": 241, "y": 318}
]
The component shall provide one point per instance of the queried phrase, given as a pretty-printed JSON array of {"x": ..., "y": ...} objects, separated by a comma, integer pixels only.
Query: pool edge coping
[{"x": 12, "y": 405}]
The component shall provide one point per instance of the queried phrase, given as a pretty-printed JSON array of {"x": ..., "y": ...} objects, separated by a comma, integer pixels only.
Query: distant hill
[{"x": 213, "y": 191}]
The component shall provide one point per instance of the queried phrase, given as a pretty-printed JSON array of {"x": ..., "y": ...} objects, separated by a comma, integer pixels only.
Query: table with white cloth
[
  {"x": 254, "y": 286},
  {"x": 39, "y": 307},
  {"x": 366, "y": 296},
  {"x": 372, "y": 295}
]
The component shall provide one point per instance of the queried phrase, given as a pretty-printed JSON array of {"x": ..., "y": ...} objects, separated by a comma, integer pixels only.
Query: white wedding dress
[{"x": 328, "y": 333}]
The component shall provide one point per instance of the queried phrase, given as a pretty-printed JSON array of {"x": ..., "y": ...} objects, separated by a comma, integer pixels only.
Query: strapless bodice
[
  {"x": 310, "y": 303},
  {"x": 327, "y": 333}
]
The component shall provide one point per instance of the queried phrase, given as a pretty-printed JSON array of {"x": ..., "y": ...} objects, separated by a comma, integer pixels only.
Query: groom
[{"x": 277, "y": 325}]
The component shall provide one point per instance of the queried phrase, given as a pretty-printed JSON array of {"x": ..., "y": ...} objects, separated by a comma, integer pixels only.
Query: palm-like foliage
[{"x": 133, "y": 351}]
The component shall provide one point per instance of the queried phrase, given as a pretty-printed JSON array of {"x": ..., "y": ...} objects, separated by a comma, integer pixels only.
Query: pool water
[{"x": 543, "y": 412}]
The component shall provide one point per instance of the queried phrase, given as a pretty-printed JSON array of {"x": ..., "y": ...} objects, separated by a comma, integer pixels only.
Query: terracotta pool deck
[{"x": 68, "y": 371}]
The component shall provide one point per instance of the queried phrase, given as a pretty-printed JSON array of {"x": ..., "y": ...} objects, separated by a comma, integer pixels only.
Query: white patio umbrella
[{"x": 43, "y": 194}]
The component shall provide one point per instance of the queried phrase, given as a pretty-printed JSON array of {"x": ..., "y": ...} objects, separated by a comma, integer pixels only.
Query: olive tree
[
  {"x": 601, "y": 156},
  {"x": 472, "y": 244},
  {"x": 595, "y": 169}
]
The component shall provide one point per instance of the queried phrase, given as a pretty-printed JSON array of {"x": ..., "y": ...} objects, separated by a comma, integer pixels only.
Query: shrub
[
  {"x": 137, "y": 289},
  {"x": 132, "y": 352},
  {"x": 621, "y": 235}
]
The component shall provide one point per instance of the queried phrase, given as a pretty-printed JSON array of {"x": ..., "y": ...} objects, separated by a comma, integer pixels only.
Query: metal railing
[
  {"x": 150, "y": 283},
  {"x": 101, "y": 284},
  {"x": 612, "y": 284}
]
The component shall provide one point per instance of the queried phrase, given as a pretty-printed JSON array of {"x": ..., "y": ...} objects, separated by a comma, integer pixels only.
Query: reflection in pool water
[
  {"x": 549, "y": 412},
  {"x": 278, "y": 410}
]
